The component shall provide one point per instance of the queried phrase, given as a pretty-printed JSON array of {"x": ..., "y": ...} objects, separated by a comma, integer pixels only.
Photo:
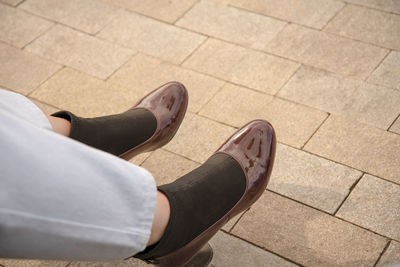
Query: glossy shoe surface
[
  {"x": 168, "y": 104},
  {"x": 253, "y": 147}
]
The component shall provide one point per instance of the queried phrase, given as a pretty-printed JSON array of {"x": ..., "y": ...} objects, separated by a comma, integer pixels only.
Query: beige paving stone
[
  {"x": 126, "y": 263},
  {"x": 166, "y": 10},
  {"x": 230, "y": 251},
  {"x": 231, "y": 24},
  {"x": 19, "y": 28},
  {"x": 307, "y": 236},
  {"x": 311, "y": 180},
  {"x": 358, "y": 145},
  {"x": 388, "y": 73},
  {"x": 386, "y": 5},
  {"x": 367, "y": 25},
  {"x": 84, "y": 95},
  {"x": 391, "y": 255},
  {"x": 198, "y": 138},
  {"x": 46, "y": 109},
  {"x": 374, "y": 204},
  {"x": 31, "y": 263},
  {"x": 242, "y": 66},
  {"x": 80, "y": 51},
  {"x": 11, "y": 2},
  {"x": 374, "y": 105},
  {"x": 148, "y": 73},
  {"x": 139, "y": 159},
  {"x": 396, "y": 126},
  {"x": 228, "y": 226},
  {"x": 166, "y": 167},
  {"x": 294, "y": 124},
  {"x": 22, "y": 71},
  {"x": 87, "y": 15},
  {"x": 152, "y": 37},
  {"x": 331, "y": 52},
  {"x": 312, "y": 13}
]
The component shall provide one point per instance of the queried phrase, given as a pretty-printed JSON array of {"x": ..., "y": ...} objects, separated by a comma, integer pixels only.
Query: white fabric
[{"x": 60, "y": 199}]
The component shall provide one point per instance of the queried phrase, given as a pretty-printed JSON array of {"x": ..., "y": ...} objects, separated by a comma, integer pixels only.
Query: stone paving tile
[
  {"x": 311, "y": 180},
  {"x": 152, "y": 37},
  {"x": 388, "y": 73},
  {"x": 166, "y": 167},
  {"x": 374, "y": 204},
  {"x": 367, "y": 25},
  {"x": 228, "y": 226},
  {"x": 327, "y": 51},
  {"x": 148, "y": 73},
  {"x": 294, "y": 124},
  {"x": 396, "y": 126},
  {"x": 139, "y": 159},
  {"x": 126, "y": 263},
  {"x": 198, "y": 138},
  {"x": 22, "y": 71},
  {"x": 12, "y": 2},
  {"x": 84, "y": 95},
  {"x": 230, "y": 251},
  {"x": 87, "y": 15},
  {"x": 19, "y": 28},
  {"x": 242, "y": 66},
  {"x": 386, "y": 5},
  {"x": 307, "y": 236},
  {"x": 391, "y": 255},
  {"x": 31, "y": 263},
  {"x": 80, "y": 51},
  {"x": 312, "y": 13},
  {"x": 46, "y": 109},
  {"x": 166, "y": 10},
  {"x": 362, "y": 101},
  {"x": 358, "y": 145},
  {"x": 231, "y": 24}
]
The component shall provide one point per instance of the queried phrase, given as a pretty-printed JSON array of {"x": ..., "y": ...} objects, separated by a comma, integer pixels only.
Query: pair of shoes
[{"x": 203, "y": 200}]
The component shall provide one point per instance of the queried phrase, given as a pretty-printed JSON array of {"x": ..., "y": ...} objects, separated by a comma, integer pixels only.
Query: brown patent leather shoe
[
  {"x": 253, "y": 147},
  {"x": 168, "y": 104}
]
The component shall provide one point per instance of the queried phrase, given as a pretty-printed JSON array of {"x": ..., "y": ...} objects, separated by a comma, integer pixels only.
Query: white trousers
[{"x": 61, "y": 199}]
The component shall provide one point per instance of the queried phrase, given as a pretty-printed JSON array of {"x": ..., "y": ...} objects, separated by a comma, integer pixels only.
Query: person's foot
[
  {"x": 150, "y": 124},
  {"x": 202, "y": 201}
]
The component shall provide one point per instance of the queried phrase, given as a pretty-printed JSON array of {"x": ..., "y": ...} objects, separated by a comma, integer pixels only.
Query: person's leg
[
  {"x": 161, "y": 218},
  {"x": 59, "y": 125}
]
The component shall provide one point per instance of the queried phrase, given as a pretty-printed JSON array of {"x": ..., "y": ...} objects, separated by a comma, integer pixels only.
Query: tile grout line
[
  {"x": 237, "y": 221},
  {"x": 390, "y": 126},
  {"x": 45, "y": 80},
  {"x": 372, "y": 8},
  {"x": 334, "y": 16},
  {"x": 261, "y": 247},
  {"x": 20, "y": 3},
  {"x": 211, "y": 98},
  {"x": 194, "y": 51},
  {"x": 329, "y": 214},
  {"x": 329, "y": 114},
  {"x": 383, "y": 252},
  {"x": 287, "y": 81},
  {"x": 36, "y": 38},
  {"x": 135, "y": 53},
  {"x": 352, "y": 187},
  {"x": 45, "y": 103},
  {"x": 377, "y": 66},
  {"x": 185, "y": 12}
]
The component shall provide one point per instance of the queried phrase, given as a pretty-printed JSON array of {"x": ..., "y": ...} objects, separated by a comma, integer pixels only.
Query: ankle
[
  {"x": 60, "y": 125},
  {"x": 161, "y": 218}
]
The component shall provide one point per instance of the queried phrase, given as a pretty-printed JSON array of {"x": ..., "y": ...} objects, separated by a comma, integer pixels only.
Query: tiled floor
[{"x": 325, "y": 73}]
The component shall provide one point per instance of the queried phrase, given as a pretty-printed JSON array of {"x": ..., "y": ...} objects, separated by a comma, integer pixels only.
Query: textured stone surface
[
  {"x": 19, "y": 28},
  {"x": 391, "y": 255},
  {"x": 367, "y": 25},
  {"x": 374, "y": 204},
  {"x": 230, "y": 251},
  {"x": 152, "y": 37},
  {"x": 358, "y": 145},
  {"x": 387, "y": 5},
  {"x": 86, "y": 15},
  {"x": 31, "y": 263},
  {"x": 231, "y": 24},
  {"x": 198, "y": 138},
  {"x": 309, "y": 179},
  {"x": 242, "y": 66},
  {"x": 313, "y": 13},
  {"x": 22, "y": 71},
  {"x": 166, "y": 10},
  {"x": 166, "y": 167},
  {"x": 126, "y": 263},
  {"x": 327, "y": 51},
  {"x": 147, "y": 73},
  {"x": 11, "y": 2},
  {"x": 228, "y": 226},
  {"x": 80, "y": 51},
  {"x": 84, "y": 95},
  {"x": 139, "y": 159},
  {"x": 294, "y": 124},
  {"x": 307, "y": 236},
  {"x": 46, "y": 109},
  {"x": 396, "y": 126},
  {"x": 388, "y": 73},
  {"x": 374, "y": 105}
]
